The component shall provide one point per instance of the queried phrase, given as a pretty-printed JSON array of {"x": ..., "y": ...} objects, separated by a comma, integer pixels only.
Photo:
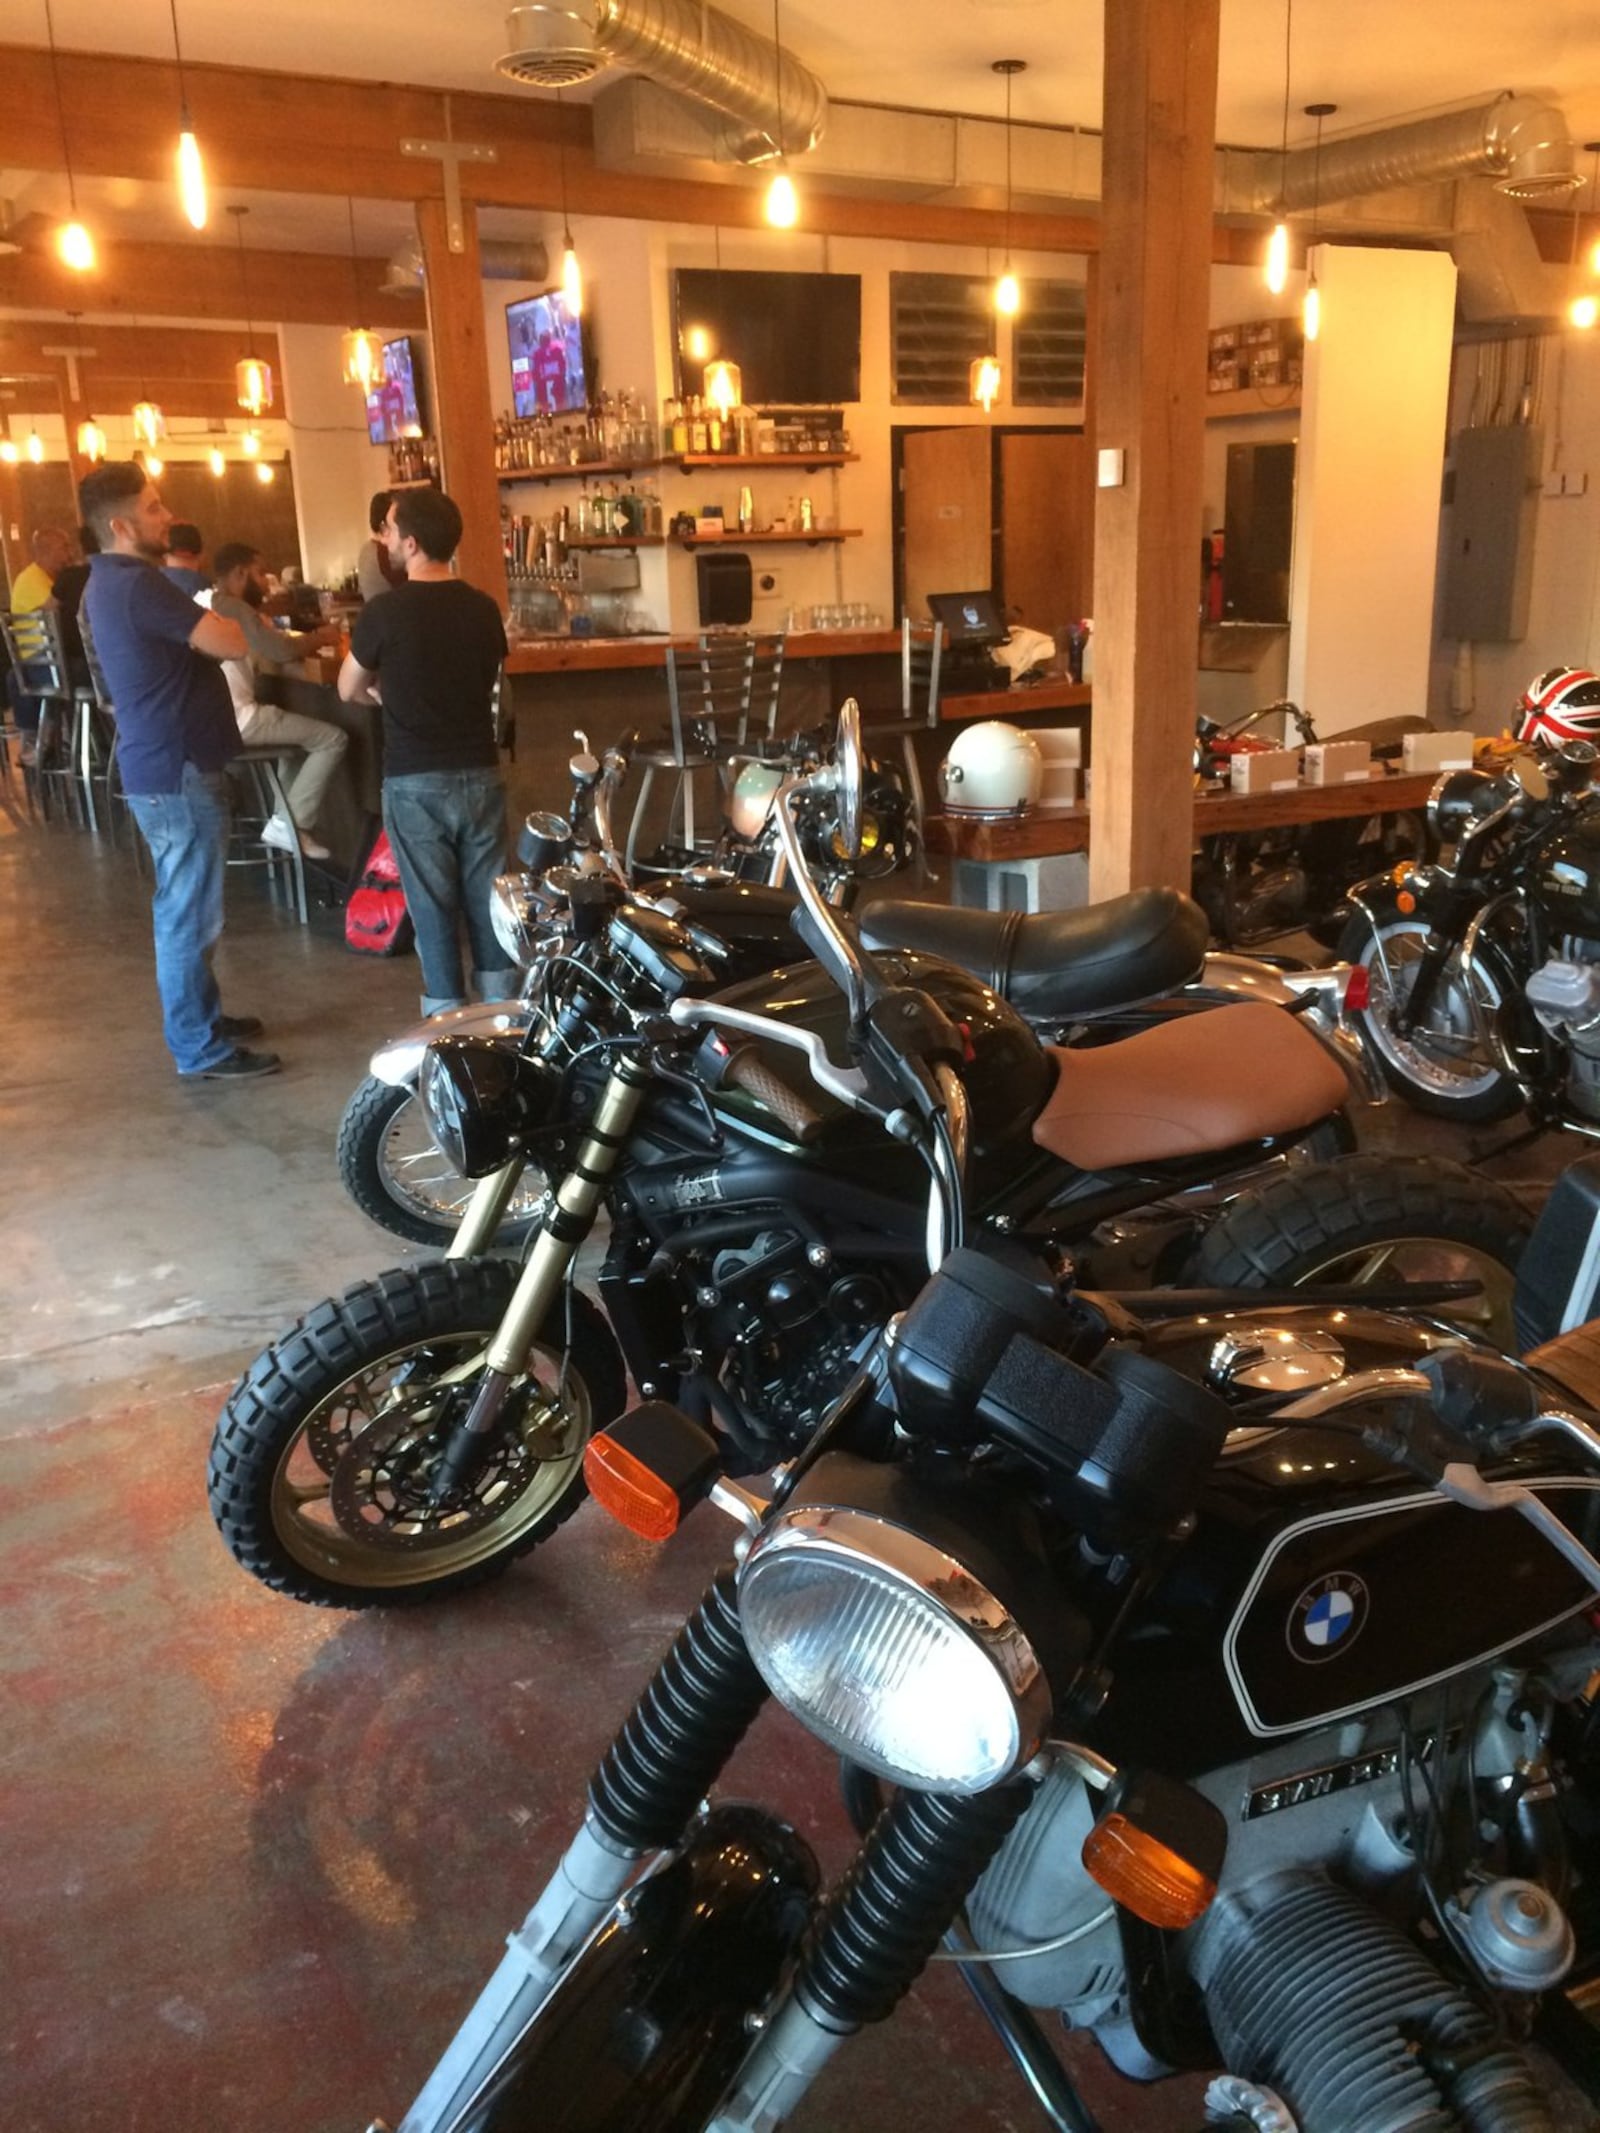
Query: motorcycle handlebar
[{"x": 747, "y": 1071}]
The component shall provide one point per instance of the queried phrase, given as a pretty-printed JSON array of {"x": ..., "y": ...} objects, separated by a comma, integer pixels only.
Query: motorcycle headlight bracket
[{"x": 484, "y": 1101}]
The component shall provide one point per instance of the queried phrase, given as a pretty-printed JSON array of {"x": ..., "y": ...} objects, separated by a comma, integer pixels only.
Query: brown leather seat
[
  {"x": 1205, "y": 1081},
  {"x": 1573, "y": 1360}
]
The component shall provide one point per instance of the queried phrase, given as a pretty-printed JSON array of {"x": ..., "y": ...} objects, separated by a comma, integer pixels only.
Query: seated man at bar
[
  {"x": 241, "y": 588},
  {"x": 186, "y": 558},
  {"x": 34, "y": 589}
]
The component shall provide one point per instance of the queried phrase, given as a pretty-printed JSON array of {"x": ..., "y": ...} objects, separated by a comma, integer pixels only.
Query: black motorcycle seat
[
  {"x": 1573, "y": 1360},
  {"x": 1203, "y": 1082},
  {"x": 1054, "y": 965}
]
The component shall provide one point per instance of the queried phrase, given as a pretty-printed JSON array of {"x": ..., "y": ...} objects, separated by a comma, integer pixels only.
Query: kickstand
[{"x": 1525, "y": 1139}]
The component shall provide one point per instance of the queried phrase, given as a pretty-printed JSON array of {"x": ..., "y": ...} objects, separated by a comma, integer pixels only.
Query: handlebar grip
[
  {"x": 748, "y": 1071},
  {"x": 1475, "y": 1395}
]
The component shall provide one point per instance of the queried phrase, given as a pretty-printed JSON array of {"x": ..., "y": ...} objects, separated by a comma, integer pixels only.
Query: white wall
[
  {"x": 336, "y": 470},
  {"x": 1372, "y": 436}
]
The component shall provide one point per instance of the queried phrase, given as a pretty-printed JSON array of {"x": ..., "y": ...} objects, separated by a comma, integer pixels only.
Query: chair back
[
  {"x": 91, "y": 658},
  {"x": 720, "y": 690},
  {"x": 921, "y": 653},
  {"x": 34, "y": 643}
]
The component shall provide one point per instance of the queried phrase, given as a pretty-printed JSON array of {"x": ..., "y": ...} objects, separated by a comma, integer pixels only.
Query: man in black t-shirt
[{"x": 430, "y": 652}]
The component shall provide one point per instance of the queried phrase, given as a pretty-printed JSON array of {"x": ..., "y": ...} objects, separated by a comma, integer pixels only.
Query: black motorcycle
[
  {"x": 1483, "y": 965},
  {"x": 1222, "y": 1685},
  {"x": 416, "y": 1434}
]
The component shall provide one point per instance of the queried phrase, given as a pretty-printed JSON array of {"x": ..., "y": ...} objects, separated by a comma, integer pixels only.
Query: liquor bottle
[{"x": 699, "y": 432}]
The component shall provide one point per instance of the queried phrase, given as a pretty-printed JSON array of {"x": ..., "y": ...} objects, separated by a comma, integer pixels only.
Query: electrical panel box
[{"x": 1488, "y": 572}]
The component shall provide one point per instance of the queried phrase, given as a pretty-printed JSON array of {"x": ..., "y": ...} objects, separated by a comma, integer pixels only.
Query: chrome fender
[{"x": 399, "y": 1061}]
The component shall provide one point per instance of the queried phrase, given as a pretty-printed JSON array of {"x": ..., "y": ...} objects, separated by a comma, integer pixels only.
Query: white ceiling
[{"x": 1376, "y": 60}]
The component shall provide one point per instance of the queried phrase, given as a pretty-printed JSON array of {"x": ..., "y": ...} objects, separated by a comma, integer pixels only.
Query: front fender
[{"x": 399, "y": 1061}]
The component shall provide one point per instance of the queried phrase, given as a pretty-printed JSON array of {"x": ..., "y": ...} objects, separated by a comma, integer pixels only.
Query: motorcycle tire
[
  {"x": 391, "y": 1169},
  {"x": 1373, "y": 1218},
  {"x": 1443, "y": 1080},
  {"x": 303, "y": 1510}
]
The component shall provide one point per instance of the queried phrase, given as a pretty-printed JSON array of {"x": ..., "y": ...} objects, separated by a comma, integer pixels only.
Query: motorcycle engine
[
  {"x": 1303, "y": 1958},
  {"x": 787, "y": 1325},
  {"x": 1565, "y": 995}
]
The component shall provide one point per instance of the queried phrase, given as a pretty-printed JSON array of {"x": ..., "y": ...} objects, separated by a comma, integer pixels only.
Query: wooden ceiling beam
[
  {"x": 200, "y": 280},
  {"x": 187, "y": 371},
  {"x": 269, "y": 132}
]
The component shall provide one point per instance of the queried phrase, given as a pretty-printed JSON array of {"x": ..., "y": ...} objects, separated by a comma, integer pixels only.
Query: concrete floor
[{"x": 256, "y": 1856}]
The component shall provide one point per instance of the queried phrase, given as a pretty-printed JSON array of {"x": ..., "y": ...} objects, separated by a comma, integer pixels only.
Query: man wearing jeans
[
  {"x": 429, "y": 651},
  {"x": 175, "y": 734}
]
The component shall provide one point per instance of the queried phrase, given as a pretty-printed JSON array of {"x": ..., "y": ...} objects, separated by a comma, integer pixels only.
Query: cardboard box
[
  {"x": 1337, "y": 762},
  {"x": 1061, "y": 752},
  {"x": 1437, "y": 751},
  {"x": 1265, "y": 770}
]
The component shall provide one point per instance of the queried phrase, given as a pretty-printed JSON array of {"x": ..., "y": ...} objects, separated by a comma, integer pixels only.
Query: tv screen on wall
[
  {"x": 795, "y": 337},
  {"x": 548, "y": 373},
  {"x": 394, "y": 407}
]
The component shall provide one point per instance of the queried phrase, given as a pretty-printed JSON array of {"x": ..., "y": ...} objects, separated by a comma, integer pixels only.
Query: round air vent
[{"x": 551, "y": 47}]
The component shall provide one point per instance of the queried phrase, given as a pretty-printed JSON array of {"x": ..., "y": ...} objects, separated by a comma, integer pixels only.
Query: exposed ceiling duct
[
  {"x": 683, "y": 45},
  {"x": 1518, "y": 143},
  {"x": 500, "y": 261}
]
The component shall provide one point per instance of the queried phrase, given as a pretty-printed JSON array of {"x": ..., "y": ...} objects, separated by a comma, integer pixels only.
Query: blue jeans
[
  {"x": 187, "y": 833},
  {"x": 448, "y": 829}
]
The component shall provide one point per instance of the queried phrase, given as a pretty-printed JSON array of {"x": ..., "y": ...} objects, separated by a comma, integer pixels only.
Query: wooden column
[
  {"x": 462, "y": 414},
  {"x": 1149, "y": 388}
]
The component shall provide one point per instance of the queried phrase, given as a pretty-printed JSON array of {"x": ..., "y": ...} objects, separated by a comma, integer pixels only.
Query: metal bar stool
[
  {"x": 714, "y": 693},
  {"x": 260, "y": 772},
  {"x": 34, "y": 646},
  {"x": 921, "y": 652},
  {"x": 96, "y": 743}
]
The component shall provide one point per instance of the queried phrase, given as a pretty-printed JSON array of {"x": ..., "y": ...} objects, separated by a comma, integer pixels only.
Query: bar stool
[
  {"x": 94, "y": 738},
  {"x": 259, "y": 771},
  {"x": 716, "y": 695},
  {"x": 35, "y": 648},
  {"x": 921, "y": 652}
]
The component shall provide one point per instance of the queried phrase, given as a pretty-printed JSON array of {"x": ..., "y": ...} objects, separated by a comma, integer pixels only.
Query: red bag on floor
[{"x": 376, "y": 921}]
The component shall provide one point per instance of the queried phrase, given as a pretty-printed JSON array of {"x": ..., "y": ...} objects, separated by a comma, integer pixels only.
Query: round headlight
[
  {"x": 518, "y": 916},
  {"x": 484, "y": 1101},
  {"x": 896, "y": 1654}
]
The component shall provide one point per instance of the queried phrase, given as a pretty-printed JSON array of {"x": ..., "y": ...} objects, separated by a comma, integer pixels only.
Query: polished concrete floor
[{"x": 254, "y": 1858}]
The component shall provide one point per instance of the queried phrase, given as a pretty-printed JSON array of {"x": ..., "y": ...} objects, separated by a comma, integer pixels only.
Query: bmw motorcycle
[
  {"x": 1483, "y": 964},
  {"x": 1224, "y": 1684},
  {"x": 416, "y": 1434}
]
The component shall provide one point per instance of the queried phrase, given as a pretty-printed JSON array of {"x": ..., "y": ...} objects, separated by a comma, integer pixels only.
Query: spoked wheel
[
  {"x": 1442, "y": 1066},
  {"x": 325, "y": 1468},
  {"x": 398, "y": 1178},
  {"x": 1375, "y": 1221}
]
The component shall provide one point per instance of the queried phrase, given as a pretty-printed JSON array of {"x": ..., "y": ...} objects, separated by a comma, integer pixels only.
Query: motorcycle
[
  {"x": 1079, "y": 977},
  {"x": 1223, "y": 1683},
  {"x": 418, "y": 1433},
  {"x": 1258, "y": 883},
  {"x": 1483, "y": 965}
]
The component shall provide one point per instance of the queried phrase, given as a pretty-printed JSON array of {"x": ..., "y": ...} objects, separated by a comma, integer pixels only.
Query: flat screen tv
[
  {"x": 548, "y": 373},
  {"x": 795, "y": 337},
  {"x": 970, "y": 619},
  {"x": 393, "y": 406}
]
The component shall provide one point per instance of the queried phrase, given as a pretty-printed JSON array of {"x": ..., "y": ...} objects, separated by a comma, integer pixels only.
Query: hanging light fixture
[
  {"x": 252, "y": 379},
  {"x": 571, "y": 272},
  {"x": 219, "y": 465},
  {"x": 1007, "y": 290},
  {"x": 9, "y": 453},
  {"x": 1278, "y": 242},
  {"x": 1584, "y": 309},
  {"x": 1311, "y": 309},
  {"x": 74, "y": 245},
  {"x": 191, "y": 171},
  {"x": 782, "y": 207},
  {"x": 724, "y": 385},
  {"x": 149, "y": 423},
  {"x": 35, "y": 448},
  {"x": 984, "y": 381},
  {"x": 154, "y": 465},
  {"x": 91, "y": 441},
  {"x": 360, "y": 352},
  {"x": 250, "y": 444},
  {"x": 266, "y": 473}
]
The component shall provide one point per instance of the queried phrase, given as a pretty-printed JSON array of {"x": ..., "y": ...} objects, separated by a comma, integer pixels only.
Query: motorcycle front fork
[
  {"x": 566, "y": 1222},
  {"x": 870, "y": 1938}
]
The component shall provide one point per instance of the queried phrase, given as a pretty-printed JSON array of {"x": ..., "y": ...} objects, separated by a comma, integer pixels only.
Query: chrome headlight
[
  {"x": 899, "y": 1655},
  {"x": 519, "y": 916}
]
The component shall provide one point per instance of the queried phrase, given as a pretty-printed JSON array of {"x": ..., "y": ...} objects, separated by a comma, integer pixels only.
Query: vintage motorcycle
[
  {"x": 1224, "y": 1684},
  {"x": 416, "y": 1434},
  {"x": 1483, "y": 964}
]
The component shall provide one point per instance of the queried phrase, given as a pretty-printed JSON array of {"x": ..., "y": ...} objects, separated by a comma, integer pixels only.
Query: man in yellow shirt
[{"x": 34, "y": 587}]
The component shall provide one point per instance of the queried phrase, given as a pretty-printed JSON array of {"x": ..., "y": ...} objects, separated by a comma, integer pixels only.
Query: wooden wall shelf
[
  {"x": 581, "y": 472},
  {"x": 808, "y": 460},
  {"x": 813, "y": 539}
]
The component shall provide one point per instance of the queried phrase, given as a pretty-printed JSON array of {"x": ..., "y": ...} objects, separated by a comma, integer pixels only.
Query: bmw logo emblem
[{"x": 1328, "y": 1617}]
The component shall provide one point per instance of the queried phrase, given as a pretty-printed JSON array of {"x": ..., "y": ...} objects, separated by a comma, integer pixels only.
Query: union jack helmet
[{"x": 1562, "y": 705}]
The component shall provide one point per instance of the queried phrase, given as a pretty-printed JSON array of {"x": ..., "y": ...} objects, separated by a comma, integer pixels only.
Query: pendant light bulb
[
  {"x": 362, "y": 358},
  {"x": 1008, "y": 295},
  {"x": 218, "y": 463},
  {"x": 571, "y": 277},
  {"x": 984, "y": 381},
  {"x": 266, "y": 473},
  {"x": 1312, "y": 310},
  {"x": 783, "y": 202},
  {"x": 75, "y": 248},
  {"x": 250, "y": 444},
  {"x": 252, "y": 385},
  {"x": 9, "y": 454},
  {"x": 191, "y": 179},
  {"x": 1278, "y": 259},
  {"x": 154, "y": 465},
  {"x": 91, "y": 441},
  {"x": 1584, "y": 311},
  {"x": 149, "y": 423},
  {"x": 35, "y": 449}
]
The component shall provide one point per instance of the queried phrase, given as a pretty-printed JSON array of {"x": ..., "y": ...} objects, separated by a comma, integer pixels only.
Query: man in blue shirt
[{"x": 175, "y": 734}]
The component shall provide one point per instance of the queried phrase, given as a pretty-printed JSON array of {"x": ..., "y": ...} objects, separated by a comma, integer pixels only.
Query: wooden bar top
[
  {"x": 1017, "y": 701},
  {"x": 1038, "y": 836},
  {"x": 601, "y": 655}
]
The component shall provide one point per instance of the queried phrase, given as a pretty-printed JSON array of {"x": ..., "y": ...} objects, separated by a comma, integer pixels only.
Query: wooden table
[
  {"x": 1019, "y": 701},
  {"x": 1037, "y": 836}
]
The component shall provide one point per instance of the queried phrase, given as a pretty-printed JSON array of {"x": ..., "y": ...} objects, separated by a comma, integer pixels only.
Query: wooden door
[
  {"x": 1047, "y": 527},
  {"x": 947, "y": 504}
]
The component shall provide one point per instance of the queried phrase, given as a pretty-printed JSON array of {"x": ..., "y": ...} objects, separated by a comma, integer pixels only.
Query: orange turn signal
[
  {"x": 1144, "y": 1875},
  {"x": 625, "y": 1486},
  {"x": 1405, "y": 902}
]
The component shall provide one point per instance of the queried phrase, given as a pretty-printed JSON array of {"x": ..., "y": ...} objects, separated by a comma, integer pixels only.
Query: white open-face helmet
[{"x": 992, "y": 769}]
